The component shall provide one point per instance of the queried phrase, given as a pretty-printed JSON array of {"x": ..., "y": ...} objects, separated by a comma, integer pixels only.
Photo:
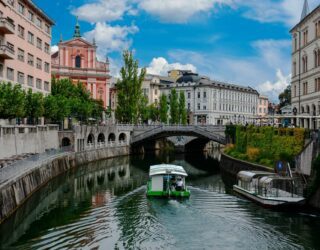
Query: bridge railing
[
  {"x": 107, "y": 144},
  {"x": 205, "y": 131}
]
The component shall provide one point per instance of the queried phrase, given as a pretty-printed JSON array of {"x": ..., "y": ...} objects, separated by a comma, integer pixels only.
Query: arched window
[{"x": 78, "y": 61}]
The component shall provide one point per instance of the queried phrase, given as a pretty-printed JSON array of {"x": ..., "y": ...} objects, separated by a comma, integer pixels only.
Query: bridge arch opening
[
  {"x": 65, "y": 142},
  {"x": 198, "y": 144},
  {"x": 101, "y": 138},
  {"x": 122, "y": 137},
  {"x": 90, "y": 139},
  {"x": 112, "y": 137}
]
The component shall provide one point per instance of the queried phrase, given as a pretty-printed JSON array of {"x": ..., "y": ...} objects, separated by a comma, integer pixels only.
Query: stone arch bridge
[
  {"x": 94, "y": 137},
  {"x": 202, "y": 134}
]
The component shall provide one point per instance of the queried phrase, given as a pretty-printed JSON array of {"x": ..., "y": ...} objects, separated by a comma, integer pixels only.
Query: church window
[{"x": 78, "y": 62}]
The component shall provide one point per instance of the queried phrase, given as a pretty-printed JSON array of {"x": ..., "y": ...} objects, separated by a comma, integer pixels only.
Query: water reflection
[{"x": 103, "y": 206}]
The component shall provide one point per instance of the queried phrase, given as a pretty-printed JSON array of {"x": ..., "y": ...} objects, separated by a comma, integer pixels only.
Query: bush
[
  {"x": 266, "y": 145},
  {"x": 253, "y": 153}
]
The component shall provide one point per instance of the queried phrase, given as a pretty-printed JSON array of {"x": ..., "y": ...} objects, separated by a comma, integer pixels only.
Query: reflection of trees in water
[
  {"x": 203, "y": 161},
  {"x": 132, "y": 220}
]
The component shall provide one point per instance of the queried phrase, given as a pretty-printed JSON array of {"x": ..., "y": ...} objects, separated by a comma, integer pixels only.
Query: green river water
[{"x": 103, "y": 206}]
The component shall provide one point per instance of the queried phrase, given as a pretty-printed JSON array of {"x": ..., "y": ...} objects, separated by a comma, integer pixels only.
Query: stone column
[{"x": 94, "y": 90}]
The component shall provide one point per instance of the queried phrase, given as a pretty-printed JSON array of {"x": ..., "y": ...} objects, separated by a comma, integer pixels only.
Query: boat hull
[
  {"x": 181, "y": 194},
  {"x": 274, "y": 202}
]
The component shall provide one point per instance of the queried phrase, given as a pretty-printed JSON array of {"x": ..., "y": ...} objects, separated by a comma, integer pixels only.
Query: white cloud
[
  {"x": 270, "y": 11},
  {"x": 54, "y": 49},
  {"x": 115, "y": 66},
  {"x": 102, "y": 10},
  {"x": 275, "y": 53},
  {"x": 273, "y": 89},
  {"x": 111, "y": 38},
  {"x": 182, "y": 11},
  {"x": 160, "y": 66},
  {"x": 178, "y": 11}
]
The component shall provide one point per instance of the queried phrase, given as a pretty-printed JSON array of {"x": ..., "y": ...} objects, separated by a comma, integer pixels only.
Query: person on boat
[
  {"x": 179, "y": 184},
  {"x": 173, "y": 183}
]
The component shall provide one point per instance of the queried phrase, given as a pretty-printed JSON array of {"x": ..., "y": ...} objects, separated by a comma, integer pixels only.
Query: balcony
[
  {"x": 6, "y": 27},
  {"x": 6, "y": 52}
]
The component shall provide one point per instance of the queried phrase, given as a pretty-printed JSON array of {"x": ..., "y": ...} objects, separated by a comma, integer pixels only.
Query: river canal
[{"x": 103, "y": 206}]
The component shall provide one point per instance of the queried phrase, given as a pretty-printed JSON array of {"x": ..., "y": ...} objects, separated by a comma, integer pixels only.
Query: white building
[
  {"x": 214, "y": 102},
  {"x": 305, "y": 83}
]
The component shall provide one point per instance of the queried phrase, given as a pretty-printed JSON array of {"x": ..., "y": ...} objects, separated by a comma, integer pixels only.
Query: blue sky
[{"x": 245, "y": 42}]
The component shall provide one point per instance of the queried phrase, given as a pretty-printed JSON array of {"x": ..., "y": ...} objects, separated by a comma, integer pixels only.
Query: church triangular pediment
[{"x": 77, "y": 42}]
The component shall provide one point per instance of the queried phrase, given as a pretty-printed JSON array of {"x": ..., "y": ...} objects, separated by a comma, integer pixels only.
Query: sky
[{"x": 244, "y": 42}]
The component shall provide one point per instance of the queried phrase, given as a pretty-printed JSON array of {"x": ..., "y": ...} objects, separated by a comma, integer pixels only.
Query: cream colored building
[
  {"x": 25, "y": 40},
  {"x": 151, "y": 88},
  {"x": 263, "y": 104},
  {"x": 305, "y": 82},
  {"x": 176, "y": 73}
]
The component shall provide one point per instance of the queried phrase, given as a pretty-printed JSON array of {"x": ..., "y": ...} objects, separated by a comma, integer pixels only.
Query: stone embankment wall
[
  {"x": 17, "y": 186},
  {"x": 230, "y": 167},
  {"x": 314, "y": 201},
  {"x": 17, "y": 140}
]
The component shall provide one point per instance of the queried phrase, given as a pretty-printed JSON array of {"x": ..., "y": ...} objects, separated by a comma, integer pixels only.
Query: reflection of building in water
[
  {"x": 100, "y": 198},
  {"x": 92, "y": 181},
  {"x": 213, "y": 153}
]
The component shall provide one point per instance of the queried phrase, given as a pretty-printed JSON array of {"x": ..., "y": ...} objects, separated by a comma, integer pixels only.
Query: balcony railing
[
  {"x": 6, "y": 27},
  {"x": 6, "y": 52}
]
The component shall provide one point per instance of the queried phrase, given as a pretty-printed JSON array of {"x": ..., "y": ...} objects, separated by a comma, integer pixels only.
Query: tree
[
  {"x": 34, "y": 106},
  {"x": 285, "y": 97},
  {"x": 174, "y": 107},
  {"x": 182, "y": 109},
  {"x": 12, "y": 101},
  {"x": 56, "y": 108},
  {"x": 143, "y": 109},
  {"x": 129, "y": 90},
  {"x": 163, "y": 109},
  {"x": 71, "y": 100},
  {"x": 154, "y": 112}
]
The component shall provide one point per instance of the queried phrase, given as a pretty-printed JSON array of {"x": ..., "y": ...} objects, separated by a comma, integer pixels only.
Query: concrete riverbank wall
[
  {"x": 17, "y": 185},
  {"x": 17, "y": 140},
  {"x": 230, "y": 167}
]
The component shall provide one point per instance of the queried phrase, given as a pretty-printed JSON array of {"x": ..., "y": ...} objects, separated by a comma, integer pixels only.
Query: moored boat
[
  {"x": 167, "y": 180},
  {"x": 268, "y": 189}
]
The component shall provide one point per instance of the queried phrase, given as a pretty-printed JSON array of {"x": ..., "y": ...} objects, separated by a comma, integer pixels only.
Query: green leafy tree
[
  {"x": 34, "y": 106},
  {"x": 56, "y": 108},
  {"x": 97, "y": 109},
  {"x": 129, "y": 90},
  {"x": 182, "y": 109},
  {"x": 144, "y": 111},
  {"x": 163, "y": 109},
  {"x": 174, "y": 107},
  {"x": 154, "y": 112},
  {"x": 285, "y": 97},
  {"x": 12, "y": 101},
  {"x": 76, "y": 101}
]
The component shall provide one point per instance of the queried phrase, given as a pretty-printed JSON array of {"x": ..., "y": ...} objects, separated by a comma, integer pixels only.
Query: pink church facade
[{"x": 76, "y": 59}]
